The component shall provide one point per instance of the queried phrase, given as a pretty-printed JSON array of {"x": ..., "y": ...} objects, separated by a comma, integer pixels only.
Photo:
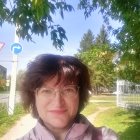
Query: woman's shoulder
[
  {"x": 101, "y": 133},
  {"x": 31, "y": 135},
  {"x": 39, "y": 132},
  {"x": 108, "y": 133}
]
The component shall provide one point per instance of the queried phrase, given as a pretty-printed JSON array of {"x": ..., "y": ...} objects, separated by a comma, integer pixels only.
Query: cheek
[
  {"x": 40, "y": 104},
  {"x": 74, "y": 105}
]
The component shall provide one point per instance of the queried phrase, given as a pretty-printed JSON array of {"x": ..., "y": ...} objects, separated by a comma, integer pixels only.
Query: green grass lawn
[
  {"x": 125, "y": 122},
  {"x": 6, "y": 121},
  {"x": 107, "y": 97},
  {"x": 90, "y": 108}
]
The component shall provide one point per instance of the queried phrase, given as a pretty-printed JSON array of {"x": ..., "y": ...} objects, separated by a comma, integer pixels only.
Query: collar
[{"x": 77, "y": 130}]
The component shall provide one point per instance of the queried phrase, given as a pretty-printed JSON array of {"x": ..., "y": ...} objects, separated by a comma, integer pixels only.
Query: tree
[
  {"x": 35, "y": 17},
  {"x": 87, "y": 41},
  {"x": 99, "y": 61},
  {"x": 2, "y": 83},
  {"x": 98, "y": 57},
  {"x": 102, "y": 38},
  {"x": 128, "y": 68},
  {"x": 127, "y": 12}
]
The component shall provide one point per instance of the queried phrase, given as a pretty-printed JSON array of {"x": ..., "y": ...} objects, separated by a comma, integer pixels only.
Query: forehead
[{"x": 58, "y": 81}]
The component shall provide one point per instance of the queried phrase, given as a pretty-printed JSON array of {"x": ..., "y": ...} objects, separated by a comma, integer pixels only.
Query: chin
[{"x": 58, "y": 123}]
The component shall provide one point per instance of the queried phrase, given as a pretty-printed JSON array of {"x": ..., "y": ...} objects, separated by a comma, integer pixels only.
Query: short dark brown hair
[{"x": 47, "y": 66}]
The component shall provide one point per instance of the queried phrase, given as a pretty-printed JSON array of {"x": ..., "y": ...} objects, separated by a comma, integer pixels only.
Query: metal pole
[{"x": 13, "y": 80}]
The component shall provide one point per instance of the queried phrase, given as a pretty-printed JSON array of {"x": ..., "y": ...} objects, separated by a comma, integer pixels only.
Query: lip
[{"x": 57, "y": 111}]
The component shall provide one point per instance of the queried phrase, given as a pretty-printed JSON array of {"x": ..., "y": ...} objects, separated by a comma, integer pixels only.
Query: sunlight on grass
[
  {"x": 93, "y": 106},
  {"x": 125, "y": 123},
  {"x": 6, "y": 121},
  {"x": 89, "y": 109},
  {"x": 104, "y": 104},
  {"x": 103, "y": 97}
]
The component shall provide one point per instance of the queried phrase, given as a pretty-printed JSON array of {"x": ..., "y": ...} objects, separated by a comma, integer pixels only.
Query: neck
[
  {"x": 58, "y": 133},
  {"x": 60, "y": 136}
]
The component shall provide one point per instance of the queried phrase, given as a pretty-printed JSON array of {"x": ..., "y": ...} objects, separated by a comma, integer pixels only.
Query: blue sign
[{"x": 16, "y": 48}]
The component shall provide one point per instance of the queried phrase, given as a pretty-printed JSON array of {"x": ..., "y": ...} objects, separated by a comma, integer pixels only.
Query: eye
[
  {"x": 47, "y": 91},
  {"x": 69, "y": 90}
]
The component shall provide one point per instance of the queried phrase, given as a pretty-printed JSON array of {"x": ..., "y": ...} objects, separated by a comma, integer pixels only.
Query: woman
[{"x": 55, "y": 88}]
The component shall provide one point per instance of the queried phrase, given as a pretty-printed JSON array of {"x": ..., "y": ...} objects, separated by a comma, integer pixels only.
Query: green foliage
[
  {"x": 128, "y": 13},
  {"x": 99, "y": 61},
  {"x": 2, "y": 84},
  {"x": 98, "y": 57},
  {"x": 4, "y": 11},
  {"x": 87, "y": 41},
  {"x": 102, "y": 38},
  {"x": 36, "y": 17},
  {"x": 129, "y": 66},
  {"x": 6, "y": 121}
]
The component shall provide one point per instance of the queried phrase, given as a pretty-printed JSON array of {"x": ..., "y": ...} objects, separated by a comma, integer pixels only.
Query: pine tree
[
  {"x": 102, "y": 38},
  {"x": 87, "y": 41}
]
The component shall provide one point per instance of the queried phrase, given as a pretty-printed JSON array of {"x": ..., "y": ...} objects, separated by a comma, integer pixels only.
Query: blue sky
[{"x": 75, "y": 25}]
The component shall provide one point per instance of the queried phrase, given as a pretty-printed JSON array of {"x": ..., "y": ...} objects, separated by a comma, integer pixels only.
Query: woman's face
[{"x": 57, "y": 104}]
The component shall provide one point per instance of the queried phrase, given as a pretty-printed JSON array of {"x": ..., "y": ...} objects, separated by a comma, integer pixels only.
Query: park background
[{"x": 111, "y": 51}]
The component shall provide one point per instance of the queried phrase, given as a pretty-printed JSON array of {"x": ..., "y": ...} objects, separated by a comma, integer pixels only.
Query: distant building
[{"x": 3, "y": 72}]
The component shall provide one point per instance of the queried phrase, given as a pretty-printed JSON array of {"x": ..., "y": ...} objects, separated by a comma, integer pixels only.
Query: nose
[{"x": 58, "y": 99}]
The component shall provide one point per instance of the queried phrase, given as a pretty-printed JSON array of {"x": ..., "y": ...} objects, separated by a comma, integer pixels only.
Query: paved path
[
  {"x": 20, "y": 128},
  {"x": 93, "y": 116},
  {"x": 27, "y": 122}
]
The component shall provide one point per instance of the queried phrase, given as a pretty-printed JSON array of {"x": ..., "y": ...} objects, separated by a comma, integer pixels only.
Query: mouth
[{"x": 58, "y": 111}]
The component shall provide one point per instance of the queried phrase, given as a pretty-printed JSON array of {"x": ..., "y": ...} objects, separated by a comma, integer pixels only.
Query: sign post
[
  {"x": 16, "y": 48},
  {"x": 13, "y": 86}
]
